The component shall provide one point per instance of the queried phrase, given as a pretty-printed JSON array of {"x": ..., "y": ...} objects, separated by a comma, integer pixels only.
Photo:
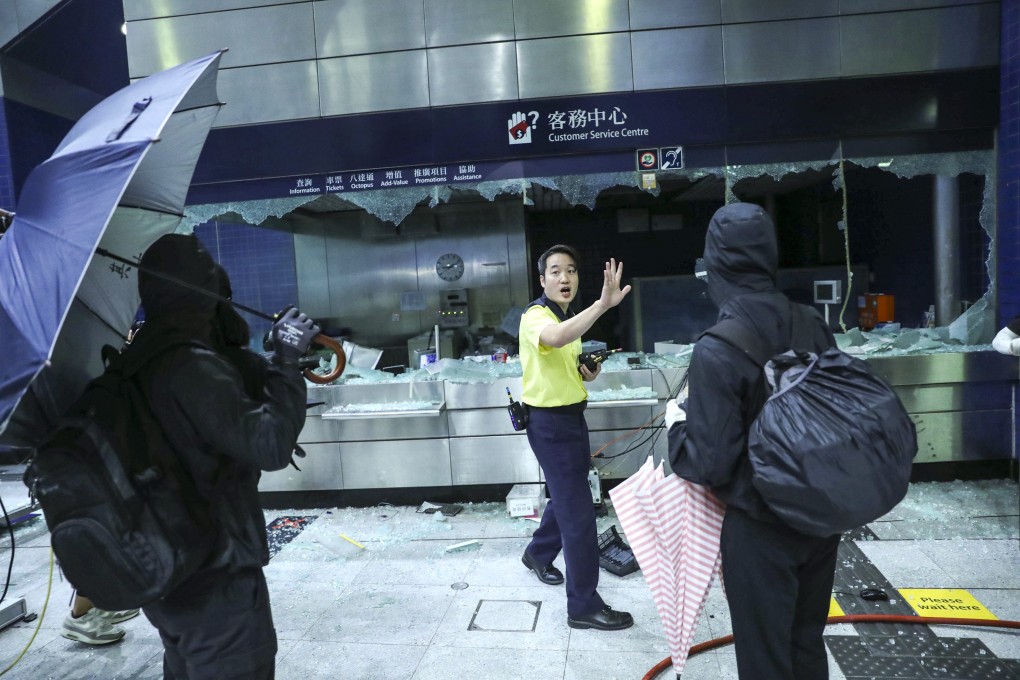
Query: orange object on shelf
[{"x": 875, "y": 308}]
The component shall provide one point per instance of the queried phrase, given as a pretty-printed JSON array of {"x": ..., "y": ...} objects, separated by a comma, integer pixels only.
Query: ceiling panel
[
  {"x": 645, "y": 14},
  {"x": 576, "y": 65},
  {"x": 679, "y": 57},
  {"x": 781, "y": 50},
  {"x": 472, "y": 73},
  {"x": 373, "y": 82},
  {"x": 545, "y": 18},
  {"x": 262, "y": 35},
  {"x": 461, "y": 22},
  {"x": 343, "y": 28}
]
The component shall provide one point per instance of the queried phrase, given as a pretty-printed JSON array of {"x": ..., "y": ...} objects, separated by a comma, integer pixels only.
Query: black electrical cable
[
  {"x": 654, "y": 430},
  {"x": 633, "y": 447}
]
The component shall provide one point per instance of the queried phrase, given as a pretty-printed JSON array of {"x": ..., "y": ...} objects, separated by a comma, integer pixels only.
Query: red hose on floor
[{"x": 852, "y": 618}]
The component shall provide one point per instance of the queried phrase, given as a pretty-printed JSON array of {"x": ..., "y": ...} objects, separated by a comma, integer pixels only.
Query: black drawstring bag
[{"x": 832, "y": 447}]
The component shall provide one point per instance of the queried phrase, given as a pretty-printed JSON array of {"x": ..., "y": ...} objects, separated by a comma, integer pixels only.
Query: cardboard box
[{"x": 526, "y": 500}]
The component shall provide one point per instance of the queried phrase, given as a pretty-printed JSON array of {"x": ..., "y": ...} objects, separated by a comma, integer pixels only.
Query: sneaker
[
  {"x": 91, "y": 628},
  {"x": 115, "y": 617}
]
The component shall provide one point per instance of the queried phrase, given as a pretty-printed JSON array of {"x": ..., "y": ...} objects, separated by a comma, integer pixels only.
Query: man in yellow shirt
[{"x": 550, "y": 342}]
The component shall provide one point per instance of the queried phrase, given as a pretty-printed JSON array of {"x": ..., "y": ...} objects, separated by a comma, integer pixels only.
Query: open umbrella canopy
[{"x": 110, "y": 185}]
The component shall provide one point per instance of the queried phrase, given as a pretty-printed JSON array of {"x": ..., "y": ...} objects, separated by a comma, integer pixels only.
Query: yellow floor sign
[
  {"x": 951, "y": 602},
  {"x": 834, "y": 608}
]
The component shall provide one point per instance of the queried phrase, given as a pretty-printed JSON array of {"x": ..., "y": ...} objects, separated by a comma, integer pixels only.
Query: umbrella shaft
[{"x": 179, "y": 282}]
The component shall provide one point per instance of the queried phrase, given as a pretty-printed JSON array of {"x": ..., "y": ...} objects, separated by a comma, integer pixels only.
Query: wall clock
[{"x": 450, "y": 267}]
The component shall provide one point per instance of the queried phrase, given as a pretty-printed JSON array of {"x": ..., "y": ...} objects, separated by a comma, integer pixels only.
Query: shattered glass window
[{"x": 974, "y": 328}]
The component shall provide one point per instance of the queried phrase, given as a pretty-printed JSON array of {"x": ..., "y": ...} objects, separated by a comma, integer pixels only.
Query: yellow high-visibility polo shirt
[{"x": 550, "y": 373}]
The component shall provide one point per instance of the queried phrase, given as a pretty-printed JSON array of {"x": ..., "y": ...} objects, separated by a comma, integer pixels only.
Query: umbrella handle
[{"x": 341, "y": 360}]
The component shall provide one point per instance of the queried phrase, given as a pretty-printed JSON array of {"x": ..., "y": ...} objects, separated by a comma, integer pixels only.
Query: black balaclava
[
  {"x": 231, "y": 330},
  {"x": 182, "y": 257},
  {"x": 741, "y": 254},
  {"x": 174, "y": 313}
]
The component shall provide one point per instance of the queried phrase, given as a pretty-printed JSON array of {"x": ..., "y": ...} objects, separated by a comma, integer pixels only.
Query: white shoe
[
  {"x": 115, "y": 617},
  {"x": 91, "y": 628}
]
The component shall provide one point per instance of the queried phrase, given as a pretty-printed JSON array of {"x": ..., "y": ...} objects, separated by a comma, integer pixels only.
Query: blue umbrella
[{"x": 117, "y": 182}]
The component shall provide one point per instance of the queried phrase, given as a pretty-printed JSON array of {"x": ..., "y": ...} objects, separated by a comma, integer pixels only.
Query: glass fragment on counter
[
  {"x": 371, "y": 376},
  {"x": 975, "y": 324},
  {"x": 622, "y": 394},
  {"x": 884, "y": 342},
  {"x": 467, "y": 370},
  {"x": 680, "y": 359},
  {"x": 896, "y": 341},
  {"x": 379, "y": 407}
]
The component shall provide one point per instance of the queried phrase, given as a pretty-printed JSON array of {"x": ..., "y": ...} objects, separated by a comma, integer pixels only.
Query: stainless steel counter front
[{"x": 962, "y": 404}]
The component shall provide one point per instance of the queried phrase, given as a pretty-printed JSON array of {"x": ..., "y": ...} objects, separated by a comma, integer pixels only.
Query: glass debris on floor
[{"x": 930, "y": 511}]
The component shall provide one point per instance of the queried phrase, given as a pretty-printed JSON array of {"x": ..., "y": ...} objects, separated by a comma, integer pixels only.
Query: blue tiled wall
[
  {"x": 261, "y": 266},
  {"x": 1008, "y": 251},
  {"x": 32, "y": 136},
  {"x": 6, "y": 171}
]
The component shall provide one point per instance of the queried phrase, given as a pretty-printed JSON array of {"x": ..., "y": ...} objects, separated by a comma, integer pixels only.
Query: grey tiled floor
[{"x": 402, "y": 607}]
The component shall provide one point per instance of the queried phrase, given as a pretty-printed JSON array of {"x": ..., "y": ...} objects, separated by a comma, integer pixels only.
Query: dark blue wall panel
[
  {"x": 6, "y": 173},
  {"x": 33, "y": 135},
  {"x": 261, "y": 266},
  {"x": 1009, "y": 164},
  {"x": 78, "y": 41}
]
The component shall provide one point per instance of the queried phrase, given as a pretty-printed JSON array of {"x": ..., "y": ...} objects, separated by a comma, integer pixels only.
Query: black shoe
[
  {"x": 549, "y": 575},
  {"x": 605, "y": 619}
]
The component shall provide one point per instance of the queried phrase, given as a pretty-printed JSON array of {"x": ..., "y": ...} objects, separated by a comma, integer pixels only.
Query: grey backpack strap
[
  {"x": 801, "y": 330},
  {"x": 739, "y": 335}
]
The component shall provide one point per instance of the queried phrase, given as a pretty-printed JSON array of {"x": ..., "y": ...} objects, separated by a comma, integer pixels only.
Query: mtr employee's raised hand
[{"x": 612, "y": 294}]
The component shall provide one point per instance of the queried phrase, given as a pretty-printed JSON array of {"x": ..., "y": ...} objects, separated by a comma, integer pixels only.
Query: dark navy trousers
[
  {"x": 778, "y": 585},
  {"x": 217, "y": 626},
  {"x": 559, "y": 438}
]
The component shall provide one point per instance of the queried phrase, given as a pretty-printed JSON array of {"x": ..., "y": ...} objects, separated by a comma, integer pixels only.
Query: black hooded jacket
[
  {"x": 727, "y": 388},
  {"x": 223, "y": 435}
]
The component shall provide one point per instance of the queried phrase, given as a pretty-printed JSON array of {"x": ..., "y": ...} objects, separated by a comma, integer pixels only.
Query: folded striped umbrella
[{"x": 673, "y": 527}]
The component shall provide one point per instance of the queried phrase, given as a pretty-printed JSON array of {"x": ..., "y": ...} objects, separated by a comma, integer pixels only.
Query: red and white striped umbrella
[{"x": 673, "y": 528}]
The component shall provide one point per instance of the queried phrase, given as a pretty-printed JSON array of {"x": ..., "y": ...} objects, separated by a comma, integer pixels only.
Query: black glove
[{"x": 292, "y": 335}]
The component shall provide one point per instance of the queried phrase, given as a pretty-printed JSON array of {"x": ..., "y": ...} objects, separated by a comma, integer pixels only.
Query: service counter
[{"x": 438, "y": 433}]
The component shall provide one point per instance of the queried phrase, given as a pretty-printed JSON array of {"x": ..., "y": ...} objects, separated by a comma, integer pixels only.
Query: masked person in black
[
  {"x": 217, "y": 624},
  {"x": 778, "y": 581}
]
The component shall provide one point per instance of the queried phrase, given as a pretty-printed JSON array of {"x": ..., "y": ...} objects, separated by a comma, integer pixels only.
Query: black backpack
[
  {"x": 832, "y": 448},
  {"x": 127, "y": 523}
]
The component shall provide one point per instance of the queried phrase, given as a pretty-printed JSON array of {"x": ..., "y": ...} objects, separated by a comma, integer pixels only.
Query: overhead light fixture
[
  {"x": 123, "y": 28},
  {"x": 885, "y": 164}
]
